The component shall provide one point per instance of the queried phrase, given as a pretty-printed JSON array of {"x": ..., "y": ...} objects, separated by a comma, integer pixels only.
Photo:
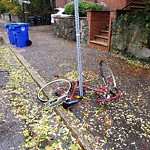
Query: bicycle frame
[
  {"x": 65, "y": 90},
  {"x": 98, "y": 90}
]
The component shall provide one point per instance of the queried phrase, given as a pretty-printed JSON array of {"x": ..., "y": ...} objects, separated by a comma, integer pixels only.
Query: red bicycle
[{"x": 64, "y": 92}]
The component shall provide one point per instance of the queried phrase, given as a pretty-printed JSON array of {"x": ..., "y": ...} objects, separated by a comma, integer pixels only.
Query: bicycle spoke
[{"x": 54, "y": 90}]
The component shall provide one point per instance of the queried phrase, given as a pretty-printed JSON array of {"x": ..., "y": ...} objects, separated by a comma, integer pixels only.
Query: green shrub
[
  {"x": 69, "y": 8},
  {"x": 84, "y": 6},
  {"x": 88, "y": 6},
  {"x": 15, "y": 8},
  {"x": 11, "y": 7},
  {"x": 3, "y": 8}
]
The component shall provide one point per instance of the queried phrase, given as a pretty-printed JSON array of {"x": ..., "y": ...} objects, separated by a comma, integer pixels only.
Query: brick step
[
  {"x": 101, "y": 38},
  {"x": 138, "y": 4},
  {"x": 99, "y": 45},
  {"x": 137, "y": 7},
  {"x": 104, "y": 33}
]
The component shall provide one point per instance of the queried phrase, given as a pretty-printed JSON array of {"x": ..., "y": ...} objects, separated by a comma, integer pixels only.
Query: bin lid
[
  {"x": 10, "y": 26},
  {"x": 20, "y": 24}
]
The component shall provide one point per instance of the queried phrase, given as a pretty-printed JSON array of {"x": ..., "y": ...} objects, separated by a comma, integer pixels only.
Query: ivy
[{"x": 127, "y": 21}]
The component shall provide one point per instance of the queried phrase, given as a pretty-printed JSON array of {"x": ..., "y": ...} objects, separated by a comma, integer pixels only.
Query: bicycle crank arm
[{"x": 67, "y": 103}]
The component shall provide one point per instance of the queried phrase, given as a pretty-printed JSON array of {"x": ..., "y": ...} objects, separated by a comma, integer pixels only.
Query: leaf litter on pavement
[
  {"x": 122, "y": 124},
  {"x": 42, "y": 128}
]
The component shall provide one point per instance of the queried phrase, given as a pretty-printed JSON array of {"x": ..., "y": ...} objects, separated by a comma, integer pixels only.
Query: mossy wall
[{"x": 131, "y": 33}]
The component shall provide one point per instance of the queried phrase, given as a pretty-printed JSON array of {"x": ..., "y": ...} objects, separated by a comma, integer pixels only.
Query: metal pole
[{"x": 76, "y": 9}]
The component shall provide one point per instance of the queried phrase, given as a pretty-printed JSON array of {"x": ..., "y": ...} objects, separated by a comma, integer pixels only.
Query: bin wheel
[{"x": 29, "y": 43}]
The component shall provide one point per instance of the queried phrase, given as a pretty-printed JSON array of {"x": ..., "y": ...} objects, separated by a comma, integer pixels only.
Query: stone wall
[
  {"x": 65, "y": 28},
  {"x": 131, "y": 32}
]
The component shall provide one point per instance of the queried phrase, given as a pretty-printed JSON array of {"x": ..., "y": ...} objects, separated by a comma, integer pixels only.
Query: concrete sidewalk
[
  {"x": 25, "y": 123},
  {"x": 71, "y": 123},
  {"x": 122, "y": 124}
]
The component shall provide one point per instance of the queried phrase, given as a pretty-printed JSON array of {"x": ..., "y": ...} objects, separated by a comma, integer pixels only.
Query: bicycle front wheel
[
  {"x": 107, "y": 76},
  {"x": 54, "y": 90}
]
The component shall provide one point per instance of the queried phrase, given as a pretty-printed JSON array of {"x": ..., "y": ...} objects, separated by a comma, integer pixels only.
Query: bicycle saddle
[{"x": 67, "y": 103}]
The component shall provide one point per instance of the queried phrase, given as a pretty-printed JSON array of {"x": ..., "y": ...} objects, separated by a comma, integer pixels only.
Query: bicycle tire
[
  {"x": 54, "y": 90},
  {"x": 107, "y": 76}
]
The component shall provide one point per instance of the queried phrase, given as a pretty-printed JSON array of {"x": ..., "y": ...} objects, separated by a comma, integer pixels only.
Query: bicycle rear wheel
[
  {"x": 55, "y": 90},
  {"x": 107, "y": 76}
]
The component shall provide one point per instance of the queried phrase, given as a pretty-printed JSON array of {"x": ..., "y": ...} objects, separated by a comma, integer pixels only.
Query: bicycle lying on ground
[{"x": 63, "y": 91}]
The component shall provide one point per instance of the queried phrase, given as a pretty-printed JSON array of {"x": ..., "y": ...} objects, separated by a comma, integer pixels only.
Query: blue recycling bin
[
  {"x": 18, "y": 34},
  {"x": 21, "y": 34},
  {"x": 11, "y": 32}
]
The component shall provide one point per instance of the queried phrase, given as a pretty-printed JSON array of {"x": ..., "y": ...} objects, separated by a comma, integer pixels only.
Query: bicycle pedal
[{"x": 67, "y": 103}]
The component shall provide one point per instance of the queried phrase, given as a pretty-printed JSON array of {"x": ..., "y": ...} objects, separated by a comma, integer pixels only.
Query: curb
[{"x": 85, "y": 139}]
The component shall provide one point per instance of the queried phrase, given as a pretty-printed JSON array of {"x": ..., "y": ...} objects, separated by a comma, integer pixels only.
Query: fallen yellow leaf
[{"x": 49, "y": 147}]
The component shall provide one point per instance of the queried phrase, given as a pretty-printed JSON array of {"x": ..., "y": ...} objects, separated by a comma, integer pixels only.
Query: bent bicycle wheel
[
  {"x": 107, "y": 77},
  {"x": 54, "y": 90}
]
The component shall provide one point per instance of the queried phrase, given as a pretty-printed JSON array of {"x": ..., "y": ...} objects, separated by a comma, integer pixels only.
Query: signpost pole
[{"x": 76, "y": 9}]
